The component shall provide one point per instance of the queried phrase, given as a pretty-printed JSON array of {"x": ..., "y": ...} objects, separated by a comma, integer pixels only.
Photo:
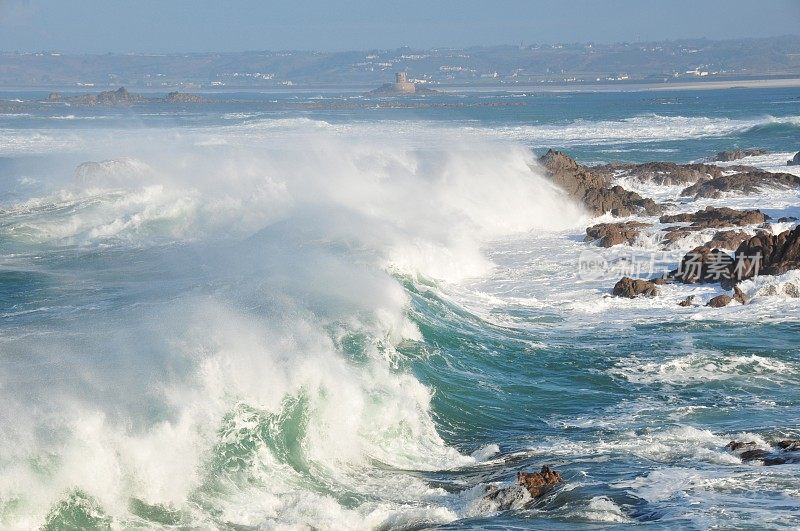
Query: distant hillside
[{"x": 561, "y": 63}]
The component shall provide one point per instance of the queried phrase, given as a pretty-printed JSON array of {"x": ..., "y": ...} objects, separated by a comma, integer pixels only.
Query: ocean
[{"x": 313, "y": 311}]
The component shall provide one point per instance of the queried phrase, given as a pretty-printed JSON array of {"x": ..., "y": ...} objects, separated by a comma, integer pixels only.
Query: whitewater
[{"x": 234, "y": 320}]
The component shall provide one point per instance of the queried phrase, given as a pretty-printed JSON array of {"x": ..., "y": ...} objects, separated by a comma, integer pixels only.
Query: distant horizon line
[{"x": 402, "y": 47}]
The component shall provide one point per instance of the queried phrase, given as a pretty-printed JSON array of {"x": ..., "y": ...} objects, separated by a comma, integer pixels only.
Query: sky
[{"x": 161, "y": 26}]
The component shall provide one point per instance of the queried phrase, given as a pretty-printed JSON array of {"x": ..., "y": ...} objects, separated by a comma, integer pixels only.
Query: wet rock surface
[
  {"x": 780, "y": 452},
  {"x": 768, "y": 254},
  {"x": 751, "y": 182},
  {"x": 632, "y": 288},
  {"x": 593, "y": 189},
  {"x": 610, "y": 234},
  {"x": 702, "y": 265},
  {"x": 530, "y": 485},
  {"x": 713, "y": 218},
  {"x": 662, "y": 173}
]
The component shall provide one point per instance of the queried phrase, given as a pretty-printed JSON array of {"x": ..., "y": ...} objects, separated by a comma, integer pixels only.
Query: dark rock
[
  {"x": 751, "y": 182},
  {"x": 736, "y": 154},
  {"x": 790, "y": 445},
  {"x": 787, "y": 219},
  {"x": 738, "y": 445},
  {"x": 720, "y": 301},
  {"x": 593, "y": 189},
  {"x": 632, "y": 288},
  {"x": 767, "y": 457},
  {"x": 727, "y": 239},
  {"x": 611, "y": 234},
  {"x": 537, "y": 483},
  {"x": 795, "y": 160},
  {"x": 712, "y": 218},
  {"x": 687, "y": 301},
  {"x": 761, "y": 455},
  {"x": 767, "y": 254},
  {"x": 662, "y": 173},
  {"x": 702, "y": 264}
]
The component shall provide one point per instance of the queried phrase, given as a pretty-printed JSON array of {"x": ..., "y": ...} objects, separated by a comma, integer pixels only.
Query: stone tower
[{"x": 401, "y": 83}]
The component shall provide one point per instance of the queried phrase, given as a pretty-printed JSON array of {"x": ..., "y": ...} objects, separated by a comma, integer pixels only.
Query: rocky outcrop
[
  {"x": 779, "y": 452},
  {"x": 702, "y": 264},
  {"x": 688, "y": 301},
  {"x": 751, "y": 182},
  {"x": 727, "y": 239},
  {"x": 715, "y": 218},
  {"x": 610, "y": 234},
  {"x": 121, "y": 97},
  {"x": 736, "y": 154},
  {"x": 662, "y": 173},
  {"x": 537, "y": 483},
  {"x": 530, "y": 485},
  {"x": 183, "y": 97},
  {"x": 593, "y": 189},
  {"x": 767, "y": 254},
  {"x": 795, "y": 160},
  {"x": 632, "y": 288},
  {"x": 720, "y": 301}
]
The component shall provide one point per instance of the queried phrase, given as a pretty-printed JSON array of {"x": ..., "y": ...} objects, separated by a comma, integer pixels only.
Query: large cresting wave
[{"x": 208, "y": 321}]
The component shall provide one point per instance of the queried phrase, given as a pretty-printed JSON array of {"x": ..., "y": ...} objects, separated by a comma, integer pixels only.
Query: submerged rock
[
  {"x": 751, "y": 182},
  {"x": 687, "y": 301},
  {"x": 632, "y": 288},
  {"x": 593, "y": 189},
  {"x": 736, "y": 154},
  {"x": 611, "y": 234}
]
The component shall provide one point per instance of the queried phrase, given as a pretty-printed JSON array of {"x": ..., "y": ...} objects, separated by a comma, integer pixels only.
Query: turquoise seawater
[{"x": 257, "y": 315}]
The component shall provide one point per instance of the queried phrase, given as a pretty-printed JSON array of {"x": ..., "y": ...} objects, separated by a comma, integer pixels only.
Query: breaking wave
[{"x": 218, "y": 325}]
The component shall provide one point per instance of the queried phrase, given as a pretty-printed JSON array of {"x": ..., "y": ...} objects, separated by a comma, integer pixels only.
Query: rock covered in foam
[
  {"x": 111, "y": 173},
  {"x": 530, "y": 485},
  {"x": 778, "y": 452}
]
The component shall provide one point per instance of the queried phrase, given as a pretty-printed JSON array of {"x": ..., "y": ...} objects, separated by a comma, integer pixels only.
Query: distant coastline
[{"x": 634, "y": 87}]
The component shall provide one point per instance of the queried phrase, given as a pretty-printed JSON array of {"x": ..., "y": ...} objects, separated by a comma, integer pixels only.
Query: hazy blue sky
[{"x": 100, "y": 26}]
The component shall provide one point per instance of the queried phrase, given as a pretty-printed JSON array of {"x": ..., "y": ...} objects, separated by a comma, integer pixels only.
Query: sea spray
[{"x": 242, "y": 365}]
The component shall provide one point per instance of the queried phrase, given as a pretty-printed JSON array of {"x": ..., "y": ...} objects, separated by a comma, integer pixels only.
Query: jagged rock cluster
[{"x": 762, "y": 253}]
